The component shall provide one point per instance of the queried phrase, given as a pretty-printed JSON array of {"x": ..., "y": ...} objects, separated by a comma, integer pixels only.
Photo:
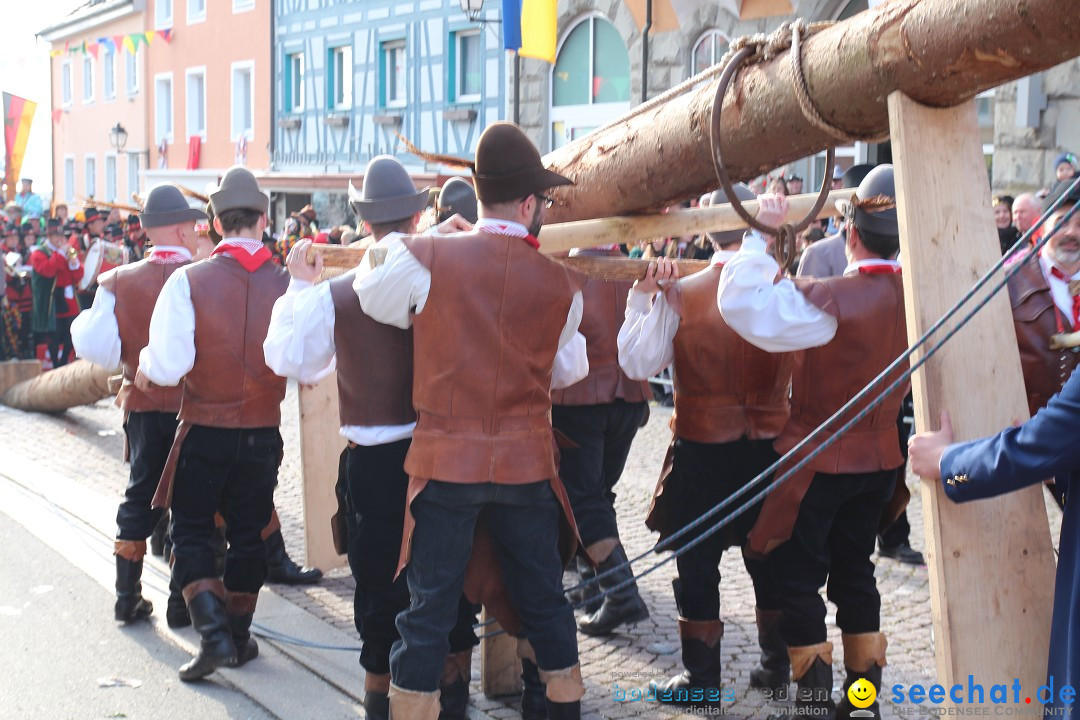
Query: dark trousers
[
  {"x": 234, "y": 470},
  {"x": 831, "y": 543},
  {"x": 58, "y": 337},
  {"x": 375, "y": 500},
  {"x": 703, "y": 475},
  {"x": 524, "y": 525},
  {"x": 149, "y": 438},
  {"x": 603, "y": 434}
]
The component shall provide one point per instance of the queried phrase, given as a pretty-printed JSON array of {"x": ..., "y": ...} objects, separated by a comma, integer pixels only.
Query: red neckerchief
[
  {"x": 882, "y": 269},
  {"x": 498, "y": 227},
  {"x": 1057, "y": 272},
  {"x": 166, "y": 257},
  {"x": 250, "y": 261}
]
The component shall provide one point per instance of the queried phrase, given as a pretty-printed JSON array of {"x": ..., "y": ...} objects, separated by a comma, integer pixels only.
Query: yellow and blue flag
[{"x": 529, "y": 28}]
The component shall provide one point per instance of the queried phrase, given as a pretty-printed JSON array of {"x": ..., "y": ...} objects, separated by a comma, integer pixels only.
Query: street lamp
[
  {"x": 472, "y": 8},
  {"x": 118, "y": 137}
]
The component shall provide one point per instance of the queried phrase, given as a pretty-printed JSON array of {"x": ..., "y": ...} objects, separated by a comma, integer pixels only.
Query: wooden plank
[
  {"x": 991, "y": 562},
  {"x": 500, "y": 666},
  {"x": 320, "y": 447}
]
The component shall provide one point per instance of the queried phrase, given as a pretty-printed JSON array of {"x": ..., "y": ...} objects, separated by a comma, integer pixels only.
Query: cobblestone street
[{"x": 86, "y": 444}]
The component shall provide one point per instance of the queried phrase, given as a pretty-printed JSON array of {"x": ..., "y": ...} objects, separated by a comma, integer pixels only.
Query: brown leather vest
[
  {"x": 136, "y": 288},
  {"x": 230, "y": 386},
  {"x": 485, "y": 348},
  {"x": 1035, "y": 320},
  {"x": 374, "y": 363},
  {"x": 870, "y": 334},
  {"x": 725, "y": 388},
  {"x": 602, "y": 316}
]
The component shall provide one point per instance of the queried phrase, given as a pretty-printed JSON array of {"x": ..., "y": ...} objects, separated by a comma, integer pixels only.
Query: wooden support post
[
  {"x": 991, "y": 561},
  {"x": 500, "y": 668},
  {"x": 320, "y": 447}
]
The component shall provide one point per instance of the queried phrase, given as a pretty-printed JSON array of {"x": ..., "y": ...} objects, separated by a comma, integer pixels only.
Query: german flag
[{"x": 18, "y": 112}]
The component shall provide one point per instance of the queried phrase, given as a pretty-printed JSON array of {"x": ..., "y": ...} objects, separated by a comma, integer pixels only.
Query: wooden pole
[
  {"x": 77, "y": 383},
  {"x": 939, "y": 52},
  {"x": 991, "y": 561}
]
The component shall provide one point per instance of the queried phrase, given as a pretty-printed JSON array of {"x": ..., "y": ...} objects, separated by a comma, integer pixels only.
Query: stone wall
[{"x": 1023, "y": 157}]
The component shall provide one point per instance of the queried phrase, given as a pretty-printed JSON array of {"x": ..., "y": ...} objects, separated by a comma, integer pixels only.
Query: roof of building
[{"x": 88, "y": 15}]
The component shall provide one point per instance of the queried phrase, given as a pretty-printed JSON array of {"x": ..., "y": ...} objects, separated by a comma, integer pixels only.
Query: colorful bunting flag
[
  {"x": 129, "y": 44},
  {"x": 529, "y": 28},
  {"x": 92, "y": 48},
  {"x": 116, "y": 43},
  {"x": 18, "y": 113},
  {"x": 56, "y": 115},
  {"x": 149, "y": 35}
]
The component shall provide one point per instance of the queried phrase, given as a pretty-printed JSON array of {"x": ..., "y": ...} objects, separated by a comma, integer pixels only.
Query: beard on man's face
[
  {"x": 1066, "y": 251},
  {"x": 537, "y": 221}
]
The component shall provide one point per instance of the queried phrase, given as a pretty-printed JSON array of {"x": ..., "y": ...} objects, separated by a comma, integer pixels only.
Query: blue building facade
[{"x": 350, "y": 75}]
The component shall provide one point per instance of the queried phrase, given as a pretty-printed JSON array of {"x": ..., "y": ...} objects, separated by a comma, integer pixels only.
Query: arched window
[
  {"x": 708, "y": 50},
  {"x": 590, "y": 83}
]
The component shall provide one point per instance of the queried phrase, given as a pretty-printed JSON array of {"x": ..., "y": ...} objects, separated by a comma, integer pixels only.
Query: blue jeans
[{"x": 524, "y": 524}]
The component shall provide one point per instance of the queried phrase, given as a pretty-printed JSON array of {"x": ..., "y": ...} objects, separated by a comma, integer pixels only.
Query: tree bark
[
  {"x": 77, "y": 383},
  {"x": 938, "y": 52}
]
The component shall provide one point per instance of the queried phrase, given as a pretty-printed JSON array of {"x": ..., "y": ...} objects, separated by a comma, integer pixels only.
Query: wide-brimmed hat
[
  {"x": 239, "y": 190},
  {"x": 91, "y": 214},
  {"x": 719, "y": 197},
  {"x": 1059, "y": 189},
  {"x": 851, "y": 179},
  {"x": 873, "y": 206},
  {"x": 457, "y": 197},
  {"x": 388, "y": 193},
  {"x": 165, "y": 205},
  {"x": 307, "y": 212},
  {"x": 509, "y": 167}
]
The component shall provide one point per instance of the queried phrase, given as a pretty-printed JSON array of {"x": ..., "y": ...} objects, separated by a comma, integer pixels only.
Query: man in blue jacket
[{"x": 1045, "y": 446}]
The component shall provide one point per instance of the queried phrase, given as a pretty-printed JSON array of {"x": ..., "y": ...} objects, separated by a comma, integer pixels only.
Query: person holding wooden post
[
  {"x": 820, "y": 526},
  {"x": 495, "y": 330},
  {"x": 110, "y": 334},
  {"x": 311, "y": 327},
  {"x": 207, "y": 330},
  {"x": 731, "y": 401}
]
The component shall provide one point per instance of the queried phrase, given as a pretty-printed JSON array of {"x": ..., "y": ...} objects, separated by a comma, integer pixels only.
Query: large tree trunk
[
  {"x": 77, "y": 383},
  {"x": 938, "y": 52}
]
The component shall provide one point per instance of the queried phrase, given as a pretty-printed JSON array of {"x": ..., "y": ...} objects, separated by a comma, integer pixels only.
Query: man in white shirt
[
  {"x": 820, "y": 525},
  {"x": 491, "y": 318},
  {"x": 312, "y": 329},
  {"x": 110, "y": 334}
]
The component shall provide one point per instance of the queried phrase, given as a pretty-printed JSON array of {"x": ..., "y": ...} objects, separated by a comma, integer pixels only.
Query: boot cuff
[
  {"x": 458, "y": 667},
  {"x": 600, "y": 550},
  {"x": 240, "y": 603},
  {"x": 213, "y": 585},
  {"x": 130, "y": 550},
  {"x": 864, "y": 650},
  {"x": 803, "y": 656},
  {"x": 563, "y": 686},
  {"x": 413, "y": 704},
  {"x": 707, "y": 631}
]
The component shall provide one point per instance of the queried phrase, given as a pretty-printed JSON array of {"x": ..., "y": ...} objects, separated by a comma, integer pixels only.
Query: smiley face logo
[{"x": 862, "y": 693}]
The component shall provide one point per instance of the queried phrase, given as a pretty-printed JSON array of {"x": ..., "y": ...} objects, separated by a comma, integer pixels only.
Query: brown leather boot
[
  {"x": 864, "y": 657},
  {"x": 811, "y": 668},
  {"x": 206, "y": 604},
  {"x": 240, "y": 607},
  {"x": 564, "y": 689}
]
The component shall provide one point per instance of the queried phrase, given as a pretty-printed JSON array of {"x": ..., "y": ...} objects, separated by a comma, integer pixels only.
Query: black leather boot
[
  {"x": 207, "y": 608},
  {"x": 281, "y": 568},
  {"x": 699, "y": 684},
  {"x": 176, "y": 613},
  {"x": 861, "y": 650},
  {"x": 454, "y": 686},
  {"x": 157, "y": 538},
  {"x": 774, "y": 670},
  {"x": 563, "y": 710},
  {"x": 623, "y": 607},
  {"x": 240, "y": 607},
  {"x": 533, "y": 702},
  {"x": 813, "y": 696},
  {"x": 377, "y": 697},
  {"x": 587, "y": 598},
  {"x": 130, "y": 604}
]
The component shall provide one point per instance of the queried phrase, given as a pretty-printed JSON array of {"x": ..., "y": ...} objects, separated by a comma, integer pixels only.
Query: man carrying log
[
  {"x": 111, "y": 334},
  {"x": 490, "y": 316},
  {"x": 227, "y": 448},
  {"x": 309, "y": 328},
  {"x": 731, "y": 401},
  {"x": 820, "y": 526}
]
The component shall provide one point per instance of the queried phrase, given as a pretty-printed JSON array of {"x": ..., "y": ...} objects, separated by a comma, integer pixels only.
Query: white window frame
[
  {"x": 188, "y": 129},
  {"x": 132, "y": 72},
  {"x": 88, "y": 61},
  {"x": 67, "y": 85},
  {"x": 388, "y": 46},
  {"x": 459, "y": 95},
  {"x": 297, "y": 107},
  {"x": 115, "y": 177},
  {"x": 242, "y": 6},
  {"x": 69, "y": 182},
  {"x": 707, "y": 34},
  {"x": 162, "y": 21},
  {"x": 90, "y": 180},
  {"x": 197, "y": 17},
  {"x": 346, "y": 78},
  {"x": 248, "y": 65},
  {"x": 132, "y": 178},
  {"x": 158, "y": 135},
  {"x": 107, "y": 51}
]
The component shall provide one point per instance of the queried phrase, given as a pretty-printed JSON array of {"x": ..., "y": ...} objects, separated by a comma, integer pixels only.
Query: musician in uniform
[
  {"x": 227, "y": 448},
  {"x": 821, "y": 524},
  {"x": 310, "y": 327},
  {"x": 490, "y": 315},
  {"x": 111, "y": 334},
  {"x": 56, "y": 270},
  {"x": 731, "y": 401},
  {"x": 93, "y": 232}
]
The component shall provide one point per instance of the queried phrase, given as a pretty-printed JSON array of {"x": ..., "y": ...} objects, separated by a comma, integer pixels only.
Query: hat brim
[
  {"x": 240, "y": 198},
  {"x": 173, "y": 217},
  {"x": 504, "y": 188},
  {"x": 379, "y": 212}
]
